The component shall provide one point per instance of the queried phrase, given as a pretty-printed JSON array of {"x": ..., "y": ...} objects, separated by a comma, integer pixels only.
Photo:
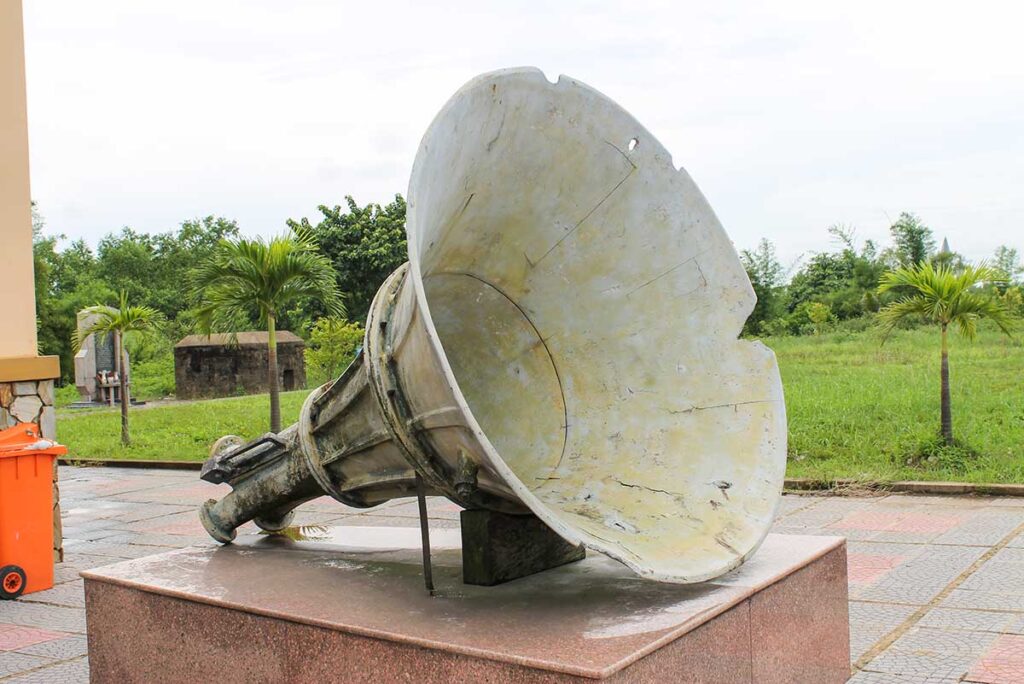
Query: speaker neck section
[
  {"x": 419, "y": 406},
  {"x": 362, "y": 438},
  {"x": 385, "y": 335}
]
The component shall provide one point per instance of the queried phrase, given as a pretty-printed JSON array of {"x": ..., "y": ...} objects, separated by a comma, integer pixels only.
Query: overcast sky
[{"x": 789, "y": 118}]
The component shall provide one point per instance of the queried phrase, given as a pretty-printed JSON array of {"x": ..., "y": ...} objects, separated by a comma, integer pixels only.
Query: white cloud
[{"x": 790, "y": 116}]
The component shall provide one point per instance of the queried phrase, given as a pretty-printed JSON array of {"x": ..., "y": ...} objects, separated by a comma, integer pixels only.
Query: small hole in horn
[{"x": 633, "y": 142}]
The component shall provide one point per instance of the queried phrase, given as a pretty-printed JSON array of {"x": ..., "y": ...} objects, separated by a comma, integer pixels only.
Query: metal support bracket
[{"x": 421, "y": 498}]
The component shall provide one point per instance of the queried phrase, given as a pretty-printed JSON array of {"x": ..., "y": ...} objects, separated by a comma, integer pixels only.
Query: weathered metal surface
[
  {"x": 563, "y": 341},
  {"x": 498, "y": 548}
]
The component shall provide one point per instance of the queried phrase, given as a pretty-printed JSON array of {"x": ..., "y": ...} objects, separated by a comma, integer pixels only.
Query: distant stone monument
[
  {"x": 97, "y": 368},
  {"x": 207, "y": 366}
]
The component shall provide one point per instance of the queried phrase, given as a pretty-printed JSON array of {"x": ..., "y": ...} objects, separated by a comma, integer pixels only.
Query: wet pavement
[{"x": 936, "y": 583}]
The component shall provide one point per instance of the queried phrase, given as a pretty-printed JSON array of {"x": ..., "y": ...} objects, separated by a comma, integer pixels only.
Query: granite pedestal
[{"x": 347, "y": 604}]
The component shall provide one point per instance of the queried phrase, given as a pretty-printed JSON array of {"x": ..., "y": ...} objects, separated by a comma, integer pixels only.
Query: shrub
[
  {"x": 1014, "y": 299},
  {"x": 855, "y": 325},
  {"x": 153, "y": 378},
  {"x": 777, "y": 327},
  {"x": 820, "y": 314},
  {"x": 63, "y": 396},
  {"x": 935, "y": 454},
  {"x": 332, "y": 347}
]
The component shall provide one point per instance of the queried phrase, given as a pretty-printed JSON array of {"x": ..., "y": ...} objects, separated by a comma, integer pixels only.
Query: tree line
[
  {"x": 205, "y": 278},
  {"x": 158, "y": 270},
  {"x": 843, "y": 284},
  {"x": 366, "y": 243}
]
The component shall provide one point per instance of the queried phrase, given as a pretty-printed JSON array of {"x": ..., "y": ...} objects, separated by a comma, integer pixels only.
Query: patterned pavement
[{"x": 936, "y": 583}]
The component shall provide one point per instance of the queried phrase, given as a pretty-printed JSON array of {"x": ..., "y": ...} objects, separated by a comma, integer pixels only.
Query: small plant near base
[{"x": 935, "y": 454}]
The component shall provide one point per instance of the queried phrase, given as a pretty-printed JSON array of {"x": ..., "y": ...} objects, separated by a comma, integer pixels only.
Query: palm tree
[
  {"x": 245, "y": 276},
  {"x": 944, "y": 298},
  {"x": 120, "y": 323}
]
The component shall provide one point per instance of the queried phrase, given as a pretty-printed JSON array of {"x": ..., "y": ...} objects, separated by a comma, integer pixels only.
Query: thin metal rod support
[{"x": 428, "y": 575}]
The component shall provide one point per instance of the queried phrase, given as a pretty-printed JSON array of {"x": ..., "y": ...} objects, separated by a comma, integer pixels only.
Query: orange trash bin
[{"x": 26, "y": 510}]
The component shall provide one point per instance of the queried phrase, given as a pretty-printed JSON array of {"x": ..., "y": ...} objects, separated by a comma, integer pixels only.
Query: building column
[{"x": 26, "y": 379}]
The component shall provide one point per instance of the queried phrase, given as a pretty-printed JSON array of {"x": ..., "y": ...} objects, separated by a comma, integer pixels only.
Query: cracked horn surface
[{"x": 588, "y": 302}]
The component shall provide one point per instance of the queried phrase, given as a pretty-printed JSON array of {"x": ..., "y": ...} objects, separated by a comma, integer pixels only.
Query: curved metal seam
[
  {"x": 389, "y": 403},
  {"x": 311, "y": 452},
  {"x": 547, "y": 350}
]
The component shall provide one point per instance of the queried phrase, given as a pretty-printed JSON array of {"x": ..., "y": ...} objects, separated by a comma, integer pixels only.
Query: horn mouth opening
[{"x": 584, "y": 304}]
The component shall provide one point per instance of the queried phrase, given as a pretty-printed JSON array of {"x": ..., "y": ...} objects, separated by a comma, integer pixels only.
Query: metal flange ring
[{"x": 311, "y": 452}]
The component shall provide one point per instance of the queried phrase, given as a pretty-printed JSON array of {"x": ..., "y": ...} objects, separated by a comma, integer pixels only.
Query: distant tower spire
[{"x": 945, "y": 247}]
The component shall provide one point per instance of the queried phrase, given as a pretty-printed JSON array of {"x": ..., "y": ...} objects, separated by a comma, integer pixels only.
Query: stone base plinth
[{"x": 350, "y": 607}]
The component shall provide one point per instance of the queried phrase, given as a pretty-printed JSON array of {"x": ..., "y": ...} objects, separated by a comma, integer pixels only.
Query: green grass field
[
  {"x": 171, "y": 432},
  {"x": 856, "y": 409}
]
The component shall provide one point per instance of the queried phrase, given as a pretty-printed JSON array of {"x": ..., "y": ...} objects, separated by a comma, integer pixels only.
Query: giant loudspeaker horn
[{"x": 562, "y": 341}]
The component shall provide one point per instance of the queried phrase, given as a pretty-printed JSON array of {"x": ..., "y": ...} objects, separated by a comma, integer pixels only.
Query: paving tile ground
[{"x": 936, "y": 583}]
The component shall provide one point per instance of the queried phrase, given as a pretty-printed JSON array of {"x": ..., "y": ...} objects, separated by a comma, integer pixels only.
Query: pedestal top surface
[{"x": 590, "y": 618}]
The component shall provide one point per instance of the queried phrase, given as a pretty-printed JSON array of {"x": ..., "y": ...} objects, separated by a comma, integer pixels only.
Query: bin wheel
[{"x": 12, "y": 582}]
